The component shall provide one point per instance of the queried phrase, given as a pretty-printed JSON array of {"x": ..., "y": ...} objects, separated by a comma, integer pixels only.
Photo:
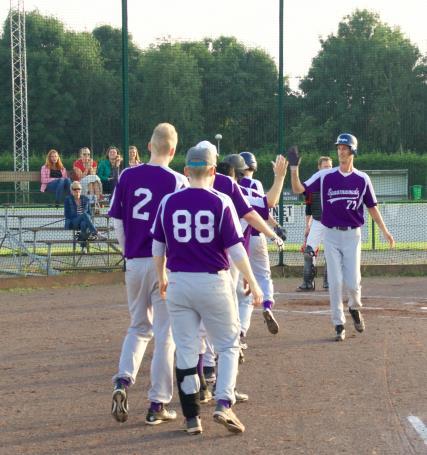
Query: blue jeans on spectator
[
  {"x": 84, "y": 224},
  {"x": 60, "y": 187}
]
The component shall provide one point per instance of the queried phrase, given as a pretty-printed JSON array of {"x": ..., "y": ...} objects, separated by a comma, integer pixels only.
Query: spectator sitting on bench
[
  {"x": 54, "y": 178},
  {"x": 134, "y": 159},
  {"x": 77, "y": 215},
  {"x": 85, "y": 171},
  {"x": 109, "y": 169}
]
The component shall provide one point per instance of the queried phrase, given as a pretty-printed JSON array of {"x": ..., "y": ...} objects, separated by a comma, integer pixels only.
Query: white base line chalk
[{"x": 419, "y": 427}]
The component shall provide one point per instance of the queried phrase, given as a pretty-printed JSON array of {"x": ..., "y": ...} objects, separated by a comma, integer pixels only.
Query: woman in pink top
[{"x": 54, "y": 177}]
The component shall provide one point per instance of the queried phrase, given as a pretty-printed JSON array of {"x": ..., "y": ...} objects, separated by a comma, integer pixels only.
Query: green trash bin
[{"x": 416, "y": 192}]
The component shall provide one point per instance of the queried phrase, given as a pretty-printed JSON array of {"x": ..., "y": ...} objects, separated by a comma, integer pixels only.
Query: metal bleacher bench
[
  {"x": 19, "y": 176},
  {"x": 20, "y": 229}
]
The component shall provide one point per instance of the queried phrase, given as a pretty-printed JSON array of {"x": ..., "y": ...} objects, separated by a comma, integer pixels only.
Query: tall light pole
[
  {"x": 19, "y": 95},
  {"x": 125, "y": 84},
  {"x": 218, "y": 138},
  {"x": 281, "y": 125}
]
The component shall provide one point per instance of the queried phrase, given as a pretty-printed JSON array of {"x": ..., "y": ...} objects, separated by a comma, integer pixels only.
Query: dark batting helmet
[
  {"x": 348, "y": 139},
  {"x": 250, "y": 160},
  {"x": 236, "y": 162}
]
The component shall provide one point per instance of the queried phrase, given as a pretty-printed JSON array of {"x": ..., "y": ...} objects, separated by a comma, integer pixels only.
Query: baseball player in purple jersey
[
  {"x": 343, "y": 192},
  {"x": 261, "y": 203},
  {"x": 196, "y": 228},
  {"x": 314, "y": 230},
  {"x": 258, "y": 252},
  {"x": 134, "y": 206}
]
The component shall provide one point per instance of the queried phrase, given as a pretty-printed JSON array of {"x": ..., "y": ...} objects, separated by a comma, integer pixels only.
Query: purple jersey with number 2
[
  {"x": 342, "y": 196},
  {"x": 135, "y": 201},
  {"x": 197, "y": 226}
]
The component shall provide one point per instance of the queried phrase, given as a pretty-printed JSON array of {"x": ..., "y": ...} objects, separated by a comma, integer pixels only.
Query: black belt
[{"x": 347, "y": 228}]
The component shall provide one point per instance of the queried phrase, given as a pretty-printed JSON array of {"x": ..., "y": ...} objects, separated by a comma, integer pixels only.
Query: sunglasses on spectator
[{"x": 76, "y": 189}]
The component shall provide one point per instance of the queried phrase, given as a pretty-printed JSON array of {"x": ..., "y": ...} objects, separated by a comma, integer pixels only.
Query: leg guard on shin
[
  {"x": 189, "y": 391},
  {"x": 309, "y": 271},
  {"x": 325, "y": 277}
]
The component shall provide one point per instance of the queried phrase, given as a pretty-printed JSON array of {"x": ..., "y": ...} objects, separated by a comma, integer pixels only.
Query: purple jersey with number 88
[{"x": 197, "y": 226}]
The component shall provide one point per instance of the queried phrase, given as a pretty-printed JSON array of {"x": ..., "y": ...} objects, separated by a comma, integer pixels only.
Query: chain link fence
[{"x": 209, "y": 88}]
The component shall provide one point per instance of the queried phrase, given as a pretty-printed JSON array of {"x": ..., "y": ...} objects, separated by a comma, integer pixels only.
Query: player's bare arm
[
  {"x": 244, "y": 267},
  {"x": 160, "y": 262},
  {"x": 255, "y": 220},
  {"x": 280, "y": 167},
  {"x": 376, "y": 216}
]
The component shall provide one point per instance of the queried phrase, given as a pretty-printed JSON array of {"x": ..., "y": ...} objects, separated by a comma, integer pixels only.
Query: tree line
[{"x": 368, "y": 79}]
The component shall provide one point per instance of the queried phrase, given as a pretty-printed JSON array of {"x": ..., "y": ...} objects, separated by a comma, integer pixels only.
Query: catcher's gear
[
  {"x": 250, "y": 160},
  {"x": 281, "y": 232},
  {"x": 236, "y": 162},
  {"x": 325, "y": 278},
  {"x": 309, "y": 271},
  {"x": 292, "y": 155},
  {"x": 348, "y": 139},
  {"x": 279, "y": 243}
]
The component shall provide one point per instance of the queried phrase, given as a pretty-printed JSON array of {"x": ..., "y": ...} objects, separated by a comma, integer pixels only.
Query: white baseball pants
[
  {"x": 260, "y": 263},
  {"x": 342, "y": 252},
  {"x": 196, "y": 297},
  {"x": 148, "y": 316}
]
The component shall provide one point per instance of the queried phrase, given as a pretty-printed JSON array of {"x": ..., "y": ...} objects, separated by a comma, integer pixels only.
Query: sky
[{"x": 253, "y": 22}]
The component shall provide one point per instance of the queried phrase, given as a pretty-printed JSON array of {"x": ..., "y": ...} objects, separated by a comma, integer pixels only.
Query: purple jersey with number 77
[
  {"x": 135, "y": 201},
  {"x": 342, "y": 196}
]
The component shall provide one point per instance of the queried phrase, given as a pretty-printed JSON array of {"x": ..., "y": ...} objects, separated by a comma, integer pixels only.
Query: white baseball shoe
[
  {"x": 225, "y": 416},
  {"x": 120, "y": 405}
]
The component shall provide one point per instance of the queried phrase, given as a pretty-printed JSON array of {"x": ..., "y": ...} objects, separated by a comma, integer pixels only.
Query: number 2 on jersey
[{"x": 136, "y": 211}]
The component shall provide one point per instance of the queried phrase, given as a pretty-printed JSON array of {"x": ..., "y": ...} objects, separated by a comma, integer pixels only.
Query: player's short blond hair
[
  {"x": 322, "y": 159},
  {"x": 164, "y": 138},
  {"x": 198, "y": 172}
]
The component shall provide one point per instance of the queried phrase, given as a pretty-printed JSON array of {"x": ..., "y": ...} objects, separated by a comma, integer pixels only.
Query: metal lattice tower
[{"x": 19, "y": 95}]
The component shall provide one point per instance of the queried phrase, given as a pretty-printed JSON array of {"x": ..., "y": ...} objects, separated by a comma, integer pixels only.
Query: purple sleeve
[
  {"x": 157, "y": 231},
  {"x": 116, "y": 203},
  {"x": 312, "y": 185},
  {"x": 369, "y": 198},
  {"x": 230, "y": 229},
  {"x": 240, "y": 203}
]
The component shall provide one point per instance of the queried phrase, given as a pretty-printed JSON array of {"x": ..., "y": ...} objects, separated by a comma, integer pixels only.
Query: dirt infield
[{"x": 308, "y": 394}]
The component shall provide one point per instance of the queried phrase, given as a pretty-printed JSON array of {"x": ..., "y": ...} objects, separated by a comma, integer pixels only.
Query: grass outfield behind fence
[{"x": 33, "y": 240}]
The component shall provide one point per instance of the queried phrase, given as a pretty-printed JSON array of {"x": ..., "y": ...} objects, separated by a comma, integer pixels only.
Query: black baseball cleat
[
  {"x": 120, "y": 405},
  {"x": 272, "y": 325},
  {"x": 241, "y": 356},
  {"x": 306, "y": 286},
  {"x": 339, "y": 333},
  {"x": 193, "y": 425},
  {"x": 359, "y": 323}
]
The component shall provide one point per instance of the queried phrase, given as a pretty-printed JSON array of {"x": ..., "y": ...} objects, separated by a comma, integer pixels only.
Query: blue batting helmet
[
  {"x": 250, "y": 160},
  {"x": 348, "y": 139}
]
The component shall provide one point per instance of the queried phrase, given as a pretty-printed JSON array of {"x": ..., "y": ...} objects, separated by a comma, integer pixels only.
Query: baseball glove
[
  {"x": 281, "y": 232},
  {"x": 292, "y": 156}
]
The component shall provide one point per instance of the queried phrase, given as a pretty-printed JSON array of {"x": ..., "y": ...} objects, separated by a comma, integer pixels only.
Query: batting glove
[
  {"x": 292, "y": 156},
  {"x": 281, "y": 232},
  {"x": 279, "y": 243}
]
